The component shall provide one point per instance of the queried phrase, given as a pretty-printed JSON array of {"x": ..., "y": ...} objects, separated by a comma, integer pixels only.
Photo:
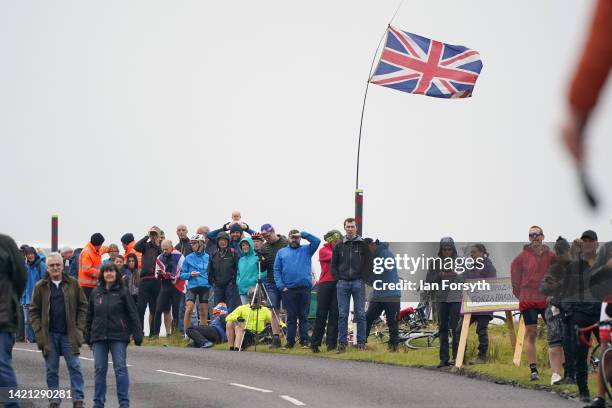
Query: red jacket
[
  {"x": 527, "y": 271},
  {"x": 325, "y": 256}
]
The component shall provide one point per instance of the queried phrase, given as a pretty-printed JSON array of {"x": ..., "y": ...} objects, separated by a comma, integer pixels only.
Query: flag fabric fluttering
[{"x": 414, "y": 64}]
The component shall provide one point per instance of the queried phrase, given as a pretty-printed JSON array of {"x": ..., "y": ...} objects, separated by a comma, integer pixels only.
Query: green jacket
[
  {"x": 76, "y": 312},
  {"x": 13, "y": 279}
]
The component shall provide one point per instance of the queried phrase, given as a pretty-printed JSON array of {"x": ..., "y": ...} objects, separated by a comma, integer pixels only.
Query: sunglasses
[{"x": 535, "y": 235}]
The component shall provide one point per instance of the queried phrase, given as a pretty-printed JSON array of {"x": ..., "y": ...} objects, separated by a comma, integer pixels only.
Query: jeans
[
  {"x": 60, "y": 345},
  {"x": 297, "y": 303},
  {"x": 118, "y": 350},
  {"x": 7, "y": 374},
  {"x": 29, "y": 332},
  {"x": 448, "y": 319},
  {"x": 327, "y": 312},
  {"x": 392, "y": 310},
  {"x": 228, "y": 294},
  {"x": 345, "y": 289}
]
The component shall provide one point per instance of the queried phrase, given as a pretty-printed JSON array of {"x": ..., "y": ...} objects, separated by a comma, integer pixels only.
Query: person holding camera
[
  {"x": 148, "y": 288},
  {"x": 112, "y": 318},
  {"x": 247, "y": 321}
]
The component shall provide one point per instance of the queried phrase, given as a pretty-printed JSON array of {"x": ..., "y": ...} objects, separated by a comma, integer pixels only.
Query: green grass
[{"x": 499, "y": 367}]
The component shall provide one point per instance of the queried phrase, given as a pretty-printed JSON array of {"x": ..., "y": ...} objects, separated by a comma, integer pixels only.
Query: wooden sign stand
[{"x": 516, "y": 345}]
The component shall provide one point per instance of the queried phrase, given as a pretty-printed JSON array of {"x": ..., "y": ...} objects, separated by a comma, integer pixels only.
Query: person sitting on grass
[
  {"x": 209, "y": 335},
  {"x": 246, "y": 321}
]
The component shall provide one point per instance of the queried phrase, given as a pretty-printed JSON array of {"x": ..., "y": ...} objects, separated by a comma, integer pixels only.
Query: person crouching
[
  {"x": 209, "y": 335},
  {"x": 246, "y": 321}
]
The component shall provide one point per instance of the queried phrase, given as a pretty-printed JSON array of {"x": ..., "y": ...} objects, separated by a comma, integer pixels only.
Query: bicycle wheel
[
  {"x": 422, "y": 340},
  {"x": 606, "y": 365}
]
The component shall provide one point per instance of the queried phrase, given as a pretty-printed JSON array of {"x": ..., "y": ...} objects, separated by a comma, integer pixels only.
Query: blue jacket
[
  {"x": 219, "y": 324},
  {"x": 387, "y": 276},
  {"x": 36, "y": 271},
  {"x": 248, "y": 268},
  {"x": 292, "y": 266},
  {"x": 198, "y": 262}
]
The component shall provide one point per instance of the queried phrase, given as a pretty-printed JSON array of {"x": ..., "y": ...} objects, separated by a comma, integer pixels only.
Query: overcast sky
[{"x": 119, "y": 115}]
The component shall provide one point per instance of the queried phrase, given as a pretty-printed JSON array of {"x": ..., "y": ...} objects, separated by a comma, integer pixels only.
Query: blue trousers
[
  {"x": 60, "y": 345},
  {"x": 345, "y": 290},
  {"x": 297, "y": 303},
  {"x": 7, "y": 374},
  {"x": 118, "y": 350}
]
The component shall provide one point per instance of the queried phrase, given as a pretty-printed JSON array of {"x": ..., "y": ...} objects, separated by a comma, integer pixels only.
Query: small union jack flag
[{"x": 414, "y": 64}]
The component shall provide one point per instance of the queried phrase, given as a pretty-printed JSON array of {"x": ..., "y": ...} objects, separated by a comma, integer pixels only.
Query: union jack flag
[{"x": 414, "y": 64}]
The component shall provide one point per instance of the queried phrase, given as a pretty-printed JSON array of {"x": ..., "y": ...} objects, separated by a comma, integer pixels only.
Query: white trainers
[{"x": 555, "y": 378}]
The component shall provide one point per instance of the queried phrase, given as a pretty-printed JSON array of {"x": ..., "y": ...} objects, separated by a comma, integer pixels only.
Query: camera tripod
[{"x": 256, "y": 302}]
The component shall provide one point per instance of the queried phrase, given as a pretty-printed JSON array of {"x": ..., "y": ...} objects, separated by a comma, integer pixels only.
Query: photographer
[
  {"x": 148, "y": 289},
  {"x": 247, "y": 321}
]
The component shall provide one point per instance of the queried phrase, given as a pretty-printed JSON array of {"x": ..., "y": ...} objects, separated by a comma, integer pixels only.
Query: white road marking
[
  {"x": 248, "y": 387},
  {"x": 31, "y": 351},
  {"x": 91, "y": 359},
  {"x": 292, "y": 400},
  {"x": 183, "y": 375}
]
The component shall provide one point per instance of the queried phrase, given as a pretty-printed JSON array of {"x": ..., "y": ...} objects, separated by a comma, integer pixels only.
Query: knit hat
[
  {"x": 256, "y": 236},
  {"x": 235, "y": 228},
  {"x": 96, "y": 239},
  {"x": 293, "y": 231},
  {"x": 127, "y": 238},
  {"x": 332, "y": 235},
  {"x": 221, "y": 308}
]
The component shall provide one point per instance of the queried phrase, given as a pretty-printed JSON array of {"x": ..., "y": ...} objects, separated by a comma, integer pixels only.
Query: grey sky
[{"x": 120, "y": 115}]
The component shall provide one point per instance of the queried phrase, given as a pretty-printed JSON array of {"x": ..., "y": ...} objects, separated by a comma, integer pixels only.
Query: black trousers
[
  {"x": 582, "y": 351},
  {"x": 327, "y": 312},
  {"x": 169, "y": 298},
  {"x": 148, "y": 290},
  {"x": 448, "y": 319},
  {"x": 392, "y": 310},
  {"x": 569, "y": 348},
  {"x": 87, "y": 291},
  {"x": 482, "y": 330},
  {"x": 202, "y": 334}
]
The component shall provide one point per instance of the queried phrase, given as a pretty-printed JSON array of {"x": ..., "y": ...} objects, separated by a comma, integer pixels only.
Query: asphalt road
[{"x": 184, "y": 377}]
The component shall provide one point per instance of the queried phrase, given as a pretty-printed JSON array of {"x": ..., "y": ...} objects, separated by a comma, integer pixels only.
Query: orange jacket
[
  {"x": 596, "y": 60},
  {"x": 89, "y": 265},
  {"x": 130, "y": 250}
]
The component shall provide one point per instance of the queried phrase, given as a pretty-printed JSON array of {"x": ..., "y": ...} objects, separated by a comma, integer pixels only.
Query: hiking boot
[
  {"x": 597, "y": 402},
  {"x": 78, "y": 404},
  {"x": 304, "y": 346},
  {"x": 287, "y": 346},
  {"x": 443, "y": 364},
  {"x": 361, "y": 347},
  {"x": 315, "y": 349},
  {"x": 555, "y": 379},
  {"x": 585, "y": 396},
  {"x": 535, "y": 376},
  {"x": 276, "y": 342},
  {"x": 341, "y": 349},
  {"x": 567, "y": 381},
  {"x": 392, "y": 348}
]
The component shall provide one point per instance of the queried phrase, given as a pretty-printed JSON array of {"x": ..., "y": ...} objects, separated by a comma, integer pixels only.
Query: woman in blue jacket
[{"x": 195, "y": 272}]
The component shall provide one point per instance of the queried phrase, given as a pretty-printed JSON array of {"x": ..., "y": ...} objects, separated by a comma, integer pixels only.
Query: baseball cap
[
  {"x": 266, "y": 228},
  {"x": 590, "y": 234}
]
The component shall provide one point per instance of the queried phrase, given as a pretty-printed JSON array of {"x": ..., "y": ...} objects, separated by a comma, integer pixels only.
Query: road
[{"x": 184, "y": 377}]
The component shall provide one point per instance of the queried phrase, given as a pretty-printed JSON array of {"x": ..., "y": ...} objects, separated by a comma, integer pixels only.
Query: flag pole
[{"x": 358, "y": 191}]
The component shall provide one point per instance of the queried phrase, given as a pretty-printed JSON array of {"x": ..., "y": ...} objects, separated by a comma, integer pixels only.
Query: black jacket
[
  {"x": 112, "y": 315},
  {"x": 576, "y": 294},
  {"x": 149, "y": 252},
  {"x": 184, "y": 247},
  {"x": 268, "y": 255},
  {"x": 552, "y": 283},
  {"x": 223, "y": 265},
  {"x": 351, "y": 260},
  {"x": 13, "y": 279}
]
